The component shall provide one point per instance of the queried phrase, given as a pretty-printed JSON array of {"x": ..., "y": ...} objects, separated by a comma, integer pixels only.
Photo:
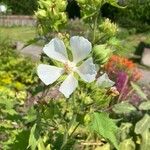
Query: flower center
[{"x": 69, "y": 67}]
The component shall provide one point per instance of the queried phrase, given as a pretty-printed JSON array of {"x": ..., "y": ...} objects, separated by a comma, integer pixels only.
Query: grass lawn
[{"x": 18, "y": 33}]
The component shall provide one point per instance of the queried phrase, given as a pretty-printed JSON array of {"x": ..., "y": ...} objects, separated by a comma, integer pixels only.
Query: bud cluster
[
  {"x": 51, "y": 14},
  {"x": 108, "y": 27}
]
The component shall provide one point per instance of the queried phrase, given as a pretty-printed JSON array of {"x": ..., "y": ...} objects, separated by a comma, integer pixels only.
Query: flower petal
[
  {"x": 87, "y": 70},
  {"x": 49, "y": 74},
  {"x": 80, "y": 47},
  {"x": 104, "y": 81},
  {"x": 55, "y": 49},
  {"x": 68, "y": 86}
]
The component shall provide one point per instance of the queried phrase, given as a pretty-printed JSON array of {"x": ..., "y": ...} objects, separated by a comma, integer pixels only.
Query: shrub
[
  {"x": 16, "y": 73},
  {"x": 23, "y": 7},
  {"x": 136, "y": 14}
]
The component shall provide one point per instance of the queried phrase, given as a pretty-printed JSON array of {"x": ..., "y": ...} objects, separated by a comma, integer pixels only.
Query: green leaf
[
  {"x": 41, "y": 145},
  {"x": 127, "y": 144},
  {"x": 145, "y": 145},
  {"x": 123, "y": 108},
  {"x": 114, "y": 3},
  {"x": 32, "y": 41},
  {"x": 48, "y": 147},
  {"x": 21, "y": 141},
  {"x": 138, "y": 90},
  {"x": 104, "y": 147},
  {"x": 33, "y": 138},
  {"x": 104, "y": 126},
  {"x": 142, "y": 125},
  {"x": 10, "y": 111},
  {"x": 125, "y": 130},
  {"x": 145, "y": 105},
  {"x": 31, "y": 115}
]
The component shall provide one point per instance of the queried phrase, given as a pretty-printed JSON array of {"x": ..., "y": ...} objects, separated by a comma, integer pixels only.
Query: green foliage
[
  {"x": 101, "y": 54},
  {"x": 127, "y": 144},
  {"x": 138, "y": 10},
  {"x": 145, "y": 105},
  {"x": 104, "y": 147},
  {"x": 45, "y": 122},
  {"x": 125, "y": 129},
  {"x": 11, "y": 124},
  {"x": 135, "y": 15},
  {"x": 143, "y": 125},
  {"x": 138, "y": 90},
  {"x": 51, "y": 16},
  {"x": 105, "y": 127},
  {"x": 33, "y": 138},
  {"x": 23, "y": 7},
  {"x": 123, "y": 108},
  {"x": 145, "y": 144},
  {"x": 134, "y": 129},
  {"x": 17, "y": 76},
  {"x": 16, "y": 72}
]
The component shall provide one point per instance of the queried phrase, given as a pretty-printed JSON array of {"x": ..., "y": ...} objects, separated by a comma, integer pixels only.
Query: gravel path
[
  {"x": 146, "y": 77},
  {"x": 32, "y": 51}
]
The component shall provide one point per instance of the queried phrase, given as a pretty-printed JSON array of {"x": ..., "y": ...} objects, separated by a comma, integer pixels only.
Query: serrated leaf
[
  {"x": 142, "y": 125},
  {"x": 10, "y": 111},
  {"x": 145, "y": 145},
  {"x": 33, "y": 138},
  {"x": 127, "y": 144},
  {"x": 31, "y": 115},
  {"x": 104, "y": 126},
  {"x": 21, "y": 141},
  {"x": 123, "y": 108},
  {"x": 145, "y": 105},
  {"x": 138, "y": 90}
]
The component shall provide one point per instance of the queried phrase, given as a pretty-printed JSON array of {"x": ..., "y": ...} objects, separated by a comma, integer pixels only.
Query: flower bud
[
  {"x": 87, "y": 119},
  {"x": 62, "y": 5},
  {"x": 41, "y": 14},
  {"x": 81, "y": 1},
  {"x": 109, "y": 27},
  {"x": 101, "y": 54}
]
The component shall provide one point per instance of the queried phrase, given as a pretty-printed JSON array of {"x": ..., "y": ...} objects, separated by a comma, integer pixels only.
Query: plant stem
[
  {"x": 95, "y": 28},
  {"x": 122, "y": 90},
  {"x": 69, "y": 126}
]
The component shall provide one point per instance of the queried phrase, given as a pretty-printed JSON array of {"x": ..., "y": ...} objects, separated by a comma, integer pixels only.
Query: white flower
[
  {"x": 104, "y": 81},
  {"x": 55, "y": 49},
  {"x": 3, "y": 8}
]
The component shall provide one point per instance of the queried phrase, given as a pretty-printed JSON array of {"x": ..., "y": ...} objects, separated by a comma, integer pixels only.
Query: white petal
[
  {"x": 80, "y": 47},
  {"x": 104, "y": 81},
  {"x": 68, "y": 86},
  {"x": 87, "y": 70},
  {"x": 55, "y": 49},
  {"x": 49, "y": 74}
]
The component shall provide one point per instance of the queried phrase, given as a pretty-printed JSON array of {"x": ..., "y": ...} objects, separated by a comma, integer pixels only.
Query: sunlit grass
[{"x": 18, "y": 33}]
